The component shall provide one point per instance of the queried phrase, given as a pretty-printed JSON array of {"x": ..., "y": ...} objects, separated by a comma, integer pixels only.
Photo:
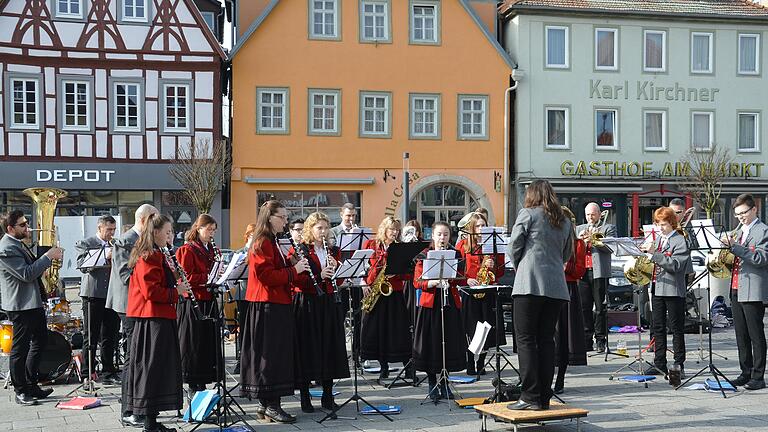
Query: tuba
[
  {"x": 45, "y": 200},
  {"x": 720, "y": 265},
  {"x": 380, "y": 287}
]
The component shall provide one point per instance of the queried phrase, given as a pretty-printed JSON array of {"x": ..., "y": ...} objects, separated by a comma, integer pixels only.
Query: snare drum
[{"x": 6, "y": 337}]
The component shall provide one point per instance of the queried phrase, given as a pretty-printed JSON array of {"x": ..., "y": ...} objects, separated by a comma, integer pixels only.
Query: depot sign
[{"x": 70, "y": 175}]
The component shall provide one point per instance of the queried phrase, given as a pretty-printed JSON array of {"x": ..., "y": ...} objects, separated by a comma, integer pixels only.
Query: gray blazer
[
  {"x": 601, "y": 256},
  {"x": 671, "y": 265},
  {"x": 20, "y": 276},
  {"x": 94, "y": 282},
  {"x": 753, "y": 264},
  {"x": 335, "y": 237},
  {"x": 117, "y": 293},
  {"x": 539, "y": 252}
]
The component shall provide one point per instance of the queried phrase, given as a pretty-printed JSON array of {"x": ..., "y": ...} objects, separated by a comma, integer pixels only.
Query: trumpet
[
  {"x": 336, "y": 296},
  {"x": 181, "y": 275},
  {"x": 721, "y": 265}
]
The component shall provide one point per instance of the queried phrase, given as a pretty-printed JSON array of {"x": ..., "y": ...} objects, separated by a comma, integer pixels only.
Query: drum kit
[{"x": 65, "y": 333}]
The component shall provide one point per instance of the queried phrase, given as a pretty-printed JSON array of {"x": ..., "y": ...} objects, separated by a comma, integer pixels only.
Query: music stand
[
  {"x": 354, "y": 268},
  {"x": 437, "y": 266},
  {"x": 710, "y": 238}
]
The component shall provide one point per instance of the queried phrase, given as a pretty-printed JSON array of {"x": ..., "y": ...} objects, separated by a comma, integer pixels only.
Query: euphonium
[
  {"x": 485, "y": 275},
  {"x": 380, "y": 287},
  {"x": 45, "y": 200},
  {"x": 596, "y": 237},
  {"x": 721, "y": 264}
]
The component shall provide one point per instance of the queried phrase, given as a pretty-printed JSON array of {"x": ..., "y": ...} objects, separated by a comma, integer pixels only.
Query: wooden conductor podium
[{"x": 556, "y": 411}]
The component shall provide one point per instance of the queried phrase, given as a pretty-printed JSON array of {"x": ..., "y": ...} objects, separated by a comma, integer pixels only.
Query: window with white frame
[
  {"x": 76, "y": 105},
  {"x": 749, "y": 132},
  {"x": 374, "y": 21},
  {"x": 655, "y": 51},
  {"x": 425, "y": 22},
  {"x": 425, "y": 116},
  {"x": 323, "y": 19},
  {"x": 606, "y": 129},
  {"x": 176, "y": 107},
  {"x": 127, "y": 107},
  {"x": 749, "y": 54},
  {"x": 701, "y": 52},
  {"x": 374, "y": 114},
  {"x": 69, "y": 8},
  {"x": 606, "y": 49},
  {"x": 702, "y": 130},
  {"x": 25, "y": 103},
  {"x": 324, "y": 111},
  {"x": 556, "y": 46},
  {"x": 473, "y": 118},
  {"x": 655, "y": 125},
  {"x": 557, "y": 127},
  {"x": 272, "y": 110}
]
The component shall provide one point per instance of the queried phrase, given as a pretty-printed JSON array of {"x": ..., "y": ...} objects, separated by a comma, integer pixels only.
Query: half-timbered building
[{"x": 100, "y": 95}]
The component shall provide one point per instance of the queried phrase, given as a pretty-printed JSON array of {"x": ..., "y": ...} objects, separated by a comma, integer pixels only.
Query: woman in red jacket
[
  {"x": 569, "y": 337},
  {"x": 385, "y": 334},
  {"x": 267, "y": 357},
  {"x": 428, "y": 335},
  {"x": 319, "y": 315},
  {"x": 479, "y": 307},
  {"x": 198, "y": 338},
  {"x": 153, "y": 372}
]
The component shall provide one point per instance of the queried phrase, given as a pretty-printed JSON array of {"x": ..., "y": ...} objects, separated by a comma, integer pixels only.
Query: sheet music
[
  {"x": 705, "y": 233},
  {"x": 96, "y": 258},
  {"x": 352, "y": 268},
  {"x": 487, "y": 235},
  {"x": 623, "y": 246},
  {"x": 235, "y": 268},
  {"x": 478, "y": 340},
  {"x": 355, "y": 239},
  {"x": 437, "y": 260}
]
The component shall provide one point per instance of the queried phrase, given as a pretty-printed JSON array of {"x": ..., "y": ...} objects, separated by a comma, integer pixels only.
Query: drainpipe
[{"x": 507, "y": 162}]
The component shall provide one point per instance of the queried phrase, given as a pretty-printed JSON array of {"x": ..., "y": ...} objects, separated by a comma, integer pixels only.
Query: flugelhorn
[
  {"x": 720, "y": 265},
  {"x": 595, "y": 236}
]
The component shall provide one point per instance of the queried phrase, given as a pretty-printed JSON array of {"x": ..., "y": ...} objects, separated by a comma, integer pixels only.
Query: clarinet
[
  {"x": 217, "y": 259},
  {"x": 180, "y": 274},
  {"x": 336, "y": 296},
  {"x": 301, "y": 255}
]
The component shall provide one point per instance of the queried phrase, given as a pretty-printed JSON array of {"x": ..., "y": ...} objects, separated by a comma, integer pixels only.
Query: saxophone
[
  {"x": 485, "y": 276},
  {"x": 380, "y": 287}
]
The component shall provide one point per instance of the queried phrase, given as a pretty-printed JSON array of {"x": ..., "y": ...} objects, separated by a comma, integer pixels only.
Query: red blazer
[
  {"x": 197, "y": 261},
  {"x": 575, "y": 268},
  {"x": 150, "y": 294},
  {"x": 269, "y": 275},
  {"x": 378, "y": 260},
  {"x": 303, "y": 284},
  {"x": 428, "y": 294},
  {"x": 472, "y": 262}
]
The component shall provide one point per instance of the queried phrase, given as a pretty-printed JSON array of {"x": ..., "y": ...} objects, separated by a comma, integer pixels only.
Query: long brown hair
[
  {"x": 471, "y": 231},
  {"x": 145, "y": 245},
  {"x": 540, "y": 194},
  {"x": 202, "y": 221},
  {"x": 248, "y": 232},
  {"x": 263, "y": 228}
]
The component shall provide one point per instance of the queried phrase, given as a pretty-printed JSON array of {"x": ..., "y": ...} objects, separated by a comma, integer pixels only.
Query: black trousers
[
  {"x": 127, "y": 323},
  {"x": 535, "y": 319},
  {"x": 102, "y": 326},
  {"x": 593, "y": 295},
  {"x": 668, "y": 311},
  {"x": 750, "y": 336},
  {"x": 30, "y": 335}
]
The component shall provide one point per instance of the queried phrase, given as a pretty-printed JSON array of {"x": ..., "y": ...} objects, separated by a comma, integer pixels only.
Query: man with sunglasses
[
  {"x": 749, "y": 291},
  {"x": 22, "y": 300}
]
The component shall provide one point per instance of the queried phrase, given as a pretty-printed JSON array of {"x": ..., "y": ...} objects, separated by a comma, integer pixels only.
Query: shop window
[
  {"x": 136, "y": 198},
  {"x": 301, "y": 204},
  {"x": 442, "y": 202}
]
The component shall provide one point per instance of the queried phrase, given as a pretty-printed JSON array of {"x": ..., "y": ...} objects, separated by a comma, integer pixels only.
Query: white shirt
[{"x": 745, "y": 231}]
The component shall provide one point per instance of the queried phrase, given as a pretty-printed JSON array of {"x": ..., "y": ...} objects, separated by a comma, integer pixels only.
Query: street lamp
[{"x": 406, "y": 190}]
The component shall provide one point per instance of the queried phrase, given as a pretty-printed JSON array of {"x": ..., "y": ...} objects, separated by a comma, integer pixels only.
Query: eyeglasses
[
  {"x": 23, "y": 224},
  {"x": 744, "y": 212},
  {"x": 297, "y": 229},
  {"x": 285, "y": 217},
  {"x": 678, "y": 211}
]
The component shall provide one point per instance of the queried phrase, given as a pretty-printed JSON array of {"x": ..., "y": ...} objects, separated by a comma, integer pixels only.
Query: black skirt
[
  {"x": 153, "y": 371},
  {"x": 474, "y": 310},
  {"x": 428, "y": 339},
  {"x": 569, "y": 333},
  {"x": 267, "y": 356},
  {"x": 385, "y": 333},
  {"x": 411, "y": 302},
  {"x": 199, "y": 340},
  {"x": 321, "y": 351}
]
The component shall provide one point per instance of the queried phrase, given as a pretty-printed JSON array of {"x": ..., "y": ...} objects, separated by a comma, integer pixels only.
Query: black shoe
[
  {"x": 276, "y": 414},
  {"x": 160, "y": 428},
  {"x": 306, "y": 402},
  {"x": 327, "y": 402},
  {"x": 601, "y": 345},
  {"x": 40, "y": 393},
  {"x": 655, "y": 371},
  {"x": 446, "y": 393},
  {"x": 523, "y": 405},
  {"x": 544, "y": 405},
  {"x": 111, "y": 379},
  {"x": 480, "y": 367},
  {"x": 741, "y": 380},
  {"x": 558, "y": 389},
  {"x": 471, "y": 368},
  {"x": 133, "y": 420},
  {"x": 26, "y": 399},
  {"x": 755, "y": 384}
]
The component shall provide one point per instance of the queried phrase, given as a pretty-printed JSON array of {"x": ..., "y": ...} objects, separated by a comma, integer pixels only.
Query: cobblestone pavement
[{"x": 612, "y": 404}]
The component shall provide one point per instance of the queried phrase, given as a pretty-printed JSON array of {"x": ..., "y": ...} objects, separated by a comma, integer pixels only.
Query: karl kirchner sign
[
  {"x": 599, "y": 168},
  {"x": 650, "y": 90}
]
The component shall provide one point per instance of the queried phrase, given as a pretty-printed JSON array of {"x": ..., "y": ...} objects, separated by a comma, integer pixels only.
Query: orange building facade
[{"x": 329, "y": 95}]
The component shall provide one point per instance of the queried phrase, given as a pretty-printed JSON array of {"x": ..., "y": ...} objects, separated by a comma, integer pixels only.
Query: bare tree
[
  {"x": 202, "y": 169},
  {"x": 704, "y": 172}
]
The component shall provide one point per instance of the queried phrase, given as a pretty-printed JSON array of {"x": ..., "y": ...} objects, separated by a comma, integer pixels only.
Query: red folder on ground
[{"x": 80, "y": 403}]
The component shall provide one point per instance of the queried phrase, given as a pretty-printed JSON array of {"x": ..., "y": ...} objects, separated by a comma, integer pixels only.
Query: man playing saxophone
[
  {"x": 749, "y": 291},
  {"x": 593, "y": 286}
]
